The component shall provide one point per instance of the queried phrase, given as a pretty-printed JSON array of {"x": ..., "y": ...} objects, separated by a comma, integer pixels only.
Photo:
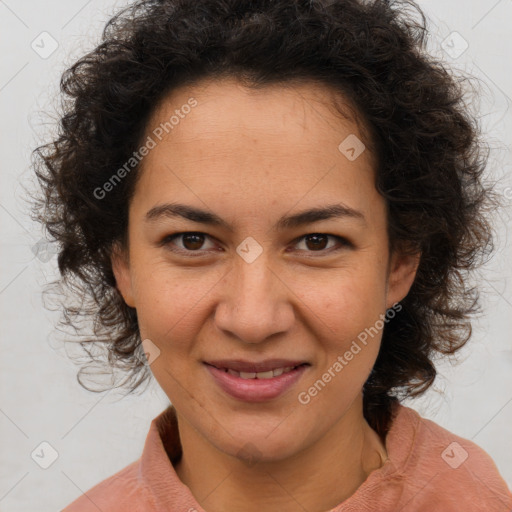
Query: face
[{"x": 250, "y": 280}]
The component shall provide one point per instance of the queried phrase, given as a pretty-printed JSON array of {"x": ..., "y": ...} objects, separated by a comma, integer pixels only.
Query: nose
[{"x": 256, "y": 303}]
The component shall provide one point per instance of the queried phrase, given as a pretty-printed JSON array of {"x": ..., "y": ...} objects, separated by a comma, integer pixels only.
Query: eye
[
  {"x": 317, "y": 242},
  {"x": 193, "y": 242}
]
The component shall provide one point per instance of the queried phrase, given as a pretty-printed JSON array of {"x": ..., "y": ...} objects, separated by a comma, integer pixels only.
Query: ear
[
  {"x": 402, "y": 270},
  {"x": 121, "y": 268}
]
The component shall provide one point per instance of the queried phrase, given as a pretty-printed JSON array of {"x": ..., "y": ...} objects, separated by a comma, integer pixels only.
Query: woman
[{"x": 272, "y": 207}]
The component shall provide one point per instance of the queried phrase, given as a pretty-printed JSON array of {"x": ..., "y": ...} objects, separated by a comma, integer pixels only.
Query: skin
[{"x": 251, "y": 157}]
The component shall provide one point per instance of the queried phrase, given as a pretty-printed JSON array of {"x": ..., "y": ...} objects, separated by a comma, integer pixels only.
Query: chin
[{"x": 263, "y": 449}]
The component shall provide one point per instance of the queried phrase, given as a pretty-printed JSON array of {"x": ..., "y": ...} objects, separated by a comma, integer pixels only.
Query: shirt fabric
[{"x": 428, "y": 469}]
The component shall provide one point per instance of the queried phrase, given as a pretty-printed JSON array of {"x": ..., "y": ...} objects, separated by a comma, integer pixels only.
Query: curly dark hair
[{"x": 427, "y": 145}]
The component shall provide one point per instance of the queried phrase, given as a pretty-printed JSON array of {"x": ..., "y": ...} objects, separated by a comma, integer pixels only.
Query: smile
[
  {"x": 256, "y": 386},
  {"x": 261, "y": 375}
]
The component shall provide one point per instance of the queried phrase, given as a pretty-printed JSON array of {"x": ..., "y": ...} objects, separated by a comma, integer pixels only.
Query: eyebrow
[{"x": 173, "y": 210}]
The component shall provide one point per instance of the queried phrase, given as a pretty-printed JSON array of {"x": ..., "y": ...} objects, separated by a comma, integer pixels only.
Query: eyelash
[{"x": 166, "y": 241}]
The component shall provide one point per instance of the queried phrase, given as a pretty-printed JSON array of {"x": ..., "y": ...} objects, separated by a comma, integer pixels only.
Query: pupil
[
  {"x": 316, "y": 243},
  {"x": 196, "y": 243}
]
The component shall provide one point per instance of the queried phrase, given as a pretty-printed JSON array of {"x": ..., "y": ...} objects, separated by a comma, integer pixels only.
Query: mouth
[
  {"x": 267, "y": 369},
  {"x": 256, "y": 382},
  {"x": 269, "y": 374}
]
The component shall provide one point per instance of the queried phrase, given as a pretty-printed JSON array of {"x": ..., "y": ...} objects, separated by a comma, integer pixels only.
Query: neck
[{"x": 316, "y": 479}]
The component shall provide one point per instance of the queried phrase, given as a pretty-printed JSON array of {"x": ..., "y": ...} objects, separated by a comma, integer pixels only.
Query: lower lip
[{"x": 255, "y": 390}]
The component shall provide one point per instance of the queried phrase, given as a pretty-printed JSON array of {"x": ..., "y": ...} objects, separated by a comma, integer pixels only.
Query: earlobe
[
  {"x": 121, "y": 268},
  {"x": 403, "y": 268}
]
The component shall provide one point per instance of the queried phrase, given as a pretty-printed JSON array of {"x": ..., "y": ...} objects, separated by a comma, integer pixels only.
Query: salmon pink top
[{"x": 428, "y": 469}]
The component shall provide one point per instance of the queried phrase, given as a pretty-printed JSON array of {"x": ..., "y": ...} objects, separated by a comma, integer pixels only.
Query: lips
[{"x": 258, "y": 386}]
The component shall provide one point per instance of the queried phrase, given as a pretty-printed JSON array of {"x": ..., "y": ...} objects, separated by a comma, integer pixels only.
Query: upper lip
[{"x": 267, "y": 365}]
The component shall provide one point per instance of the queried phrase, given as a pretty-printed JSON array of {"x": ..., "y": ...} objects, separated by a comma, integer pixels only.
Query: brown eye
[
  {"x": 190, "y": 242},
  {"x": 319, "y": 242},
  {"x": 193, "y": 241},
  {"x": 316, "y": 241}
]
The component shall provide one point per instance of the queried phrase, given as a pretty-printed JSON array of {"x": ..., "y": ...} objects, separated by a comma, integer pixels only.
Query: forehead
[
  {"x": 278, "y": 142},
  {"x": 293, "y": 110}
]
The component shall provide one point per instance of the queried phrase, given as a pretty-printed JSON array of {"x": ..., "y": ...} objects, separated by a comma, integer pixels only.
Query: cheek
[
  {"x": 167, "y": 301},
  {"x": 345, "y": 301}
]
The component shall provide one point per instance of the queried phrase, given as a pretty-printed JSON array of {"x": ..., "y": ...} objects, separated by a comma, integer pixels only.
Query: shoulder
[
  {"x": 443, "y": 469},
  {"x": 120, "y": 492}
]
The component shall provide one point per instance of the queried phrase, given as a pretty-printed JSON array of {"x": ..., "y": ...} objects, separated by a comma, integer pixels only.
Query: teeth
[
  {"x": 247, "y": 375},
  {"x": 260, "y": 375}
]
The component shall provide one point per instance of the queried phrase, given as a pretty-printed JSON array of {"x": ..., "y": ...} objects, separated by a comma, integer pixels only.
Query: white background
[{"x": 97, "y": 435}]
